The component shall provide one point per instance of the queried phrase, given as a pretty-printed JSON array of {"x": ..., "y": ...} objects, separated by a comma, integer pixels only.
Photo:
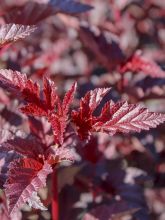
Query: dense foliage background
[{"x": 118, "y": 44}]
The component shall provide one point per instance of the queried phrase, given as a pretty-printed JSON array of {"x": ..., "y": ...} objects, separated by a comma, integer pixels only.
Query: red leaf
[
  {"x": 5, "y": 158},
  {"x": 25, "y": 176},
  {"x": 33, "y": 109},
  {"x": 13, "y": 32},
  {"x": 124, "y": 117},
  {"x": 93, "y": 98},
  {"x": 40, "y": 129},
  {"x": 18, "y": 83},
  {"x": 68, "y": 98},
  {"x": 12, "y": 80},
  {"x": 84, "y": 118},
  {"x": 50, "y": 95},
  {"x": 119, "y": 117},
  {"x": 59, "y": 118},
  {"x": 139, "y": 63},
  {"x": 4, "y": 215},
  {"x": 29, "y": 147},
  {"x": 50, "y": 106},
  {"x": 58, "y": 123}
]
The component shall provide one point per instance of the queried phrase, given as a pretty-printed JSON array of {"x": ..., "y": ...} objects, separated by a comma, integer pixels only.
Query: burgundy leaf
[
  {"x": 50, "y": 106},
  {"x": 70, "y": 6},
  {"x": 4, "y": 215},
  {"x": 29, "y": 14},
  {"x": 90, "y": 151},
  {"x": 32, "y": 12},
  {"x": 50, "y": 95},
  {"x": 18, "y": 83},
  {"x": 12, "y": 80},
  {"x": 68, "y": 99},
  {"x": 24, "y": 177},
  {"x": 139, "y": 63},
  {"x": 126, "y": 117},
  {"x": 13, "y": 32},
  {"x": 106, "y": 50},
  {"x": 58, "y": 123},
  {"x": 93, "y": 98},
  {"x": 5, "y": 158},
  {"x": 59, "y": 118},
  {"x": 29, "y": 147},
  {"x": 119, "y": 117},
  {"x": 33, "y": 109},
  {"x": 116, "y": 211},
  {"x": 83, "y": 118}
]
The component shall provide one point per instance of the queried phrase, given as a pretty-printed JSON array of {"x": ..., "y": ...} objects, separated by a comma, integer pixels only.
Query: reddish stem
[{"x": 55, "y": 206}]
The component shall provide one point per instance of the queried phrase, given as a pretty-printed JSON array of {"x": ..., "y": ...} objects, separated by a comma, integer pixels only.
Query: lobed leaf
[
  {"x": 93, "y": 98},
  {"x": 68, "y": 99},
  {"x": 13, "y": 81},
  {"x": 58, "y": 123},
  {"x": 49, "y": 106},
  {"x": 59, "y": 118},
  {"x": 49, "y": 92},
  {"x": 27, "y": 147},
  {"x": 12, "y": 32},
  {"x": 83, "y": 119},
  {"x": 114, "y": 117},
  {"x": 124, "y": 117},
  {"x": 33, "y": 177},
  {"x": 139, "y": 63}
]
